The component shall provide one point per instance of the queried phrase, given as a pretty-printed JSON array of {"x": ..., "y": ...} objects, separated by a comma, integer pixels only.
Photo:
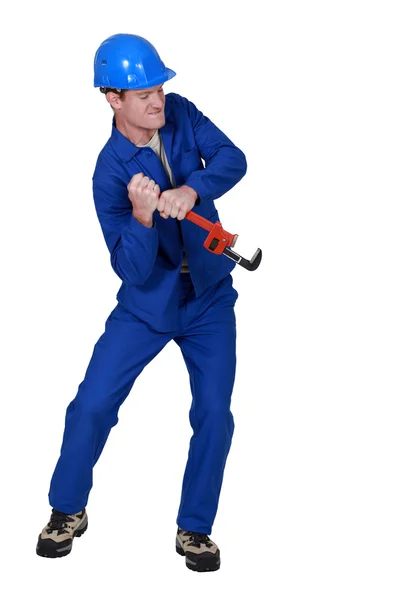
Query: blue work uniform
[{"x": 158, "y": 303}]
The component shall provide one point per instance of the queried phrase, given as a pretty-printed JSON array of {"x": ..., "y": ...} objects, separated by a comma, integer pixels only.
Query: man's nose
[{"x": 157, "y": 104}]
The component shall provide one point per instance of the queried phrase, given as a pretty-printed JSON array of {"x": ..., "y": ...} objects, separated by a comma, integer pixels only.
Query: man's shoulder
[
  {"x": 180, "y": 107},
  {"x": 107, "y": 161},
  {"x": 174, "y": 98},
  {"x": 176, "y": 103}
]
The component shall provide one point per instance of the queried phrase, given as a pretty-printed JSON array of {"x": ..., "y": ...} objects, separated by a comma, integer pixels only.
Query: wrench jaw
[
  {"x": 253, "y": 263},
  {"x": 250, "y": 265}
]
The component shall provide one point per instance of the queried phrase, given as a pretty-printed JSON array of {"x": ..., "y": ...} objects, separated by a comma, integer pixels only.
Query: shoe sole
[
  {"x": 50, "y": 550},
  {"x": 202, "y": 564}
]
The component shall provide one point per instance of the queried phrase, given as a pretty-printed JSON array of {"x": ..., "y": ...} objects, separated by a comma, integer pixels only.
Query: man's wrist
[
  {"x": 146, "y": 220},
  {"x": 190, "y": 190}
]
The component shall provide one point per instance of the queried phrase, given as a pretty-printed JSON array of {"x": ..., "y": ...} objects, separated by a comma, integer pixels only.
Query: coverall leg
[
  {"x": 208, "y": 346},
  {"x": 120, "y": 354}
]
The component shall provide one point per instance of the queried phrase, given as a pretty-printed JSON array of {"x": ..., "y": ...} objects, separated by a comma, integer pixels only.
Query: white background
[{"x": 309, "y": 506}]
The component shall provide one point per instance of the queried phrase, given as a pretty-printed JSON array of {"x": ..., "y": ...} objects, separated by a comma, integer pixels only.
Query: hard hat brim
[{"x": 166, "y": 76}]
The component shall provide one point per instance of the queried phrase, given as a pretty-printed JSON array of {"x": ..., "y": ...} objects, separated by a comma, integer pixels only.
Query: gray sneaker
[
  {"x": 56, "y": 538},
  {"x": 201, "y": 553}
]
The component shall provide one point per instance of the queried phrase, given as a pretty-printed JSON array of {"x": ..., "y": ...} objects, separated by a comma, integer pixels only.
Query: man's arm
[
  {"x": 133, "y": 245},
  {"x": 225, "y": 163}
]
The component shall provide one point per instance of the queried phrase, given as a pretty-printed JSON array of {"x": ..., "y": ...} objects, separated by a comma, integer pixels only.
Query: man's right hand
[{"x": 143, "y": 193}]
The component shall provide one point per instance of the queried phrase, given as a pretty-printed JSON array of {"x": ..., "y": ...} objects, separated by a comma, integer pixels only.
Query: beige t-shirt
[{"x": 156, "y": 144}]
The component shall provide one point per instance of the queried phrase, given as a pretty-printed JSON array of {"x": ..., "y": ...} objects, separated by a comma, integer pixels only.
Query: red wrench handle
[{"x": 201, "y": 221}]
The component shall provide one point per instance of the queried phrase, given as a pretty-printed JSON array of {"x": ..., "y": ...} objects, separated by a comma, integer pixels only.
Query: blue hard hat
[{"x": 129, "y": 62}]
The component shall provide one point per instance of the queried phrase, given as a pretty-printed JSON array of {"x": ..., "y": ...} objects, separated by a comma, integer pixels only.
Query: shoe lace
[
  {"x": 58, "y": 521},
  {"x": 198, "y": 538}
]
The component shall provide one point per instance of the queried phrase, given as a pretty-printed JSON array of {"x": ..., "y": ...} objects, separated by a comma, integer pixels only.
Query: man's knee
[{"x": 97, "y": 402}]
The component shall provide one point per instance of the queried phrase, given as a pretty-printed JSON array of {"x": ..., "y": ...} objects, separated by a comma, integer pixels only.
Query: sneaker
[
  {"x": 201, "y": 553},
  {"x": 56, "y": 538}
]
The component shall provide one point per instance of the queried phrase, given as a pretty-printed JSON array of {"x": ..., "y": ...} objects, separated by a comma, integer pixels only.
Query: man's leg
[
  {"x": 120, "y": 354},
  {"x": 208, "y": 345}
]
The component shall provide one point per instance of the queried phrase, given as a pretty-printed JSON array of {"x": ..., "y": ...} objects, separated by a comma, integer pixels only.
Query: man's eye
[{"x": 147, "y": 95}]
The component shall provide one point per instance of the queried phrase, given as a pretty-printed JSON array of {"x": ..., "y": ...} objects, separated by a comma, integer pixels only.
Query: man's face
[{"x": 143, "y": 108}]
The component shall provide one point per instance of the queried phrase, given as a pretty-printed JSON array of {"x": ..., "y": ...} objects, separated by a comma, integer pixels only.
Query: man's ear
[{"x": 113, "y": 99}]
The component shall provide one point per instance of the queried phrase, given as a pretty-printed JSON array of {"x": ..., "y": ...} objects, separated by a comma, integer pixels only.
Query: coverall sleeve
[
  {"x": 225, "y": 163},
  {"x": 133, "y": 247}
]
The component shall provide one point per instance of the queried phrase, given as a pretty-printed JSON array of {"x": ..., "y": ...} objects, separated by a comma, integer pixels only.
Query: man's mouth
[{"x": 155, "y": 113}]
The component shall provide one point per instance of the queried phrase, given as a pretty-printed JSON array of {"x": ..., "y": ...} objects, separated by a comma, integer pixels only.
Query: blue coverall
[{"x": 157, "y": 303}]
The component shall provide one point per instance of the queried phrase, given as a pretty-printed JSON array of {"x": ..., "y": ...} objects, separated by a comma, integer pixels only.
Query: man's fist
[
  {"x": 143, "y": 194},
  {"x": 177, "y": 202}
]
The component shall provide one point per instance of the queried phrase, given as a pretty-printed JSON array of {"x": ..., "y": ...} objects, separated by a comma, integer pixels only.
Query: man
[{"x": 147, "y": 177}]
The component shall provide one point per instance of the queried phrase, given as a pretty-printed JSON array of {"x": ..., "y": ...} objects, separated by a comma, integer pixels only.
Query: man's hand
[
  {"x": 143, "y": 193},
  {"x": 177, "y": 202}
]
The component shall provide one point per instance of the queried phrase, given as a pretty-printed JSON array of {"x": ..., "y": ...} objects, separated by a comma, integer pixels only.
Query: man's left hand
[{"x": 177, "y": 202}]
